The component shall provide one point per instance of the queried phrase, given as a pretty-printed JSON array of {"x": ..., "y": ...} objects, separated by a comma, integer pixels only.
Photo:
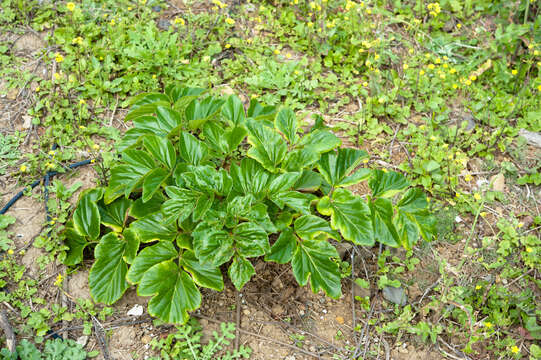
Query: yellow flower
[
  {"x": 59, "y": 58},
  {"x": 538, "y": 87},
  {"x": 95, "y": 147},
  {"x": 445, "y": 146},
  {"x": 455, "y": 86},
  {"x": 59, "y": 280},
  {"x": 70, "y": 6},
  {"x": 437, "y": 61},
  {"x": 488, "y": 325},
  {"x": 227, "y": 46},
  {"x": 365, "y": 84},
  {"x": 442, "y": 76},
  {"x": 483, "y": 213},
  {"x": 422, "y": 72},
  {"x": 276, "y": 51},
  {"x": 479, "y": 287},
  {"x": 519, "y": 225},
  {"x": 452, "y": 71},
  {"x": 468, "y": 177},
  {"x": 473, "y": 77},
  {"x": 288, "y": 55},
  {"x": 515, "y": 349},
  {"x": 433, "y": 138},
  {"x": 468, "y": 82},
  {"x": 10, "y": 251},
  {"x": 229, "y": 21},
  {"x": 56, "y": 76},
  {"x": 310, "y": 24},
  {"x": 154, "y": 76},
  {"x": 82, "y": 102},
  {"x": 365, "y": 161},
  {"x": 381, "y": 100},
  {"x": 51, "y": 153},
  {"x": 78, "y": 40},
  {"x": 180, "y": 21},
  {"x": 529, "y": 249},
  {"x": 476, "y": 196},
  {"x": 457, "y": 195},
  {"x": 431, "y": 66},
  {"x": 22, "y": 168},
  {"x": 458, "y": 26},
  {"x": 405, "y": 66},
  {"x": 514, "y": 71},
  {"x": 38, "y": 88}
]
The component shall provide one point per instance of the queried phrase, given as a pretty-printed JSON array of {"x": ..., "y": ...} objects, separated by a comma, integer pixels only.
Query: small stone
[
  {"x": 145, "y": 339},
  {"x": 498, "y": 182},
  {"x": 136, "y": 310},
  {"x": 395, "y": 295},
  {"x": 340, "y": 320},
  {"x": 458, "y": 219},
  {"x": 301, "y": 312},
  {"x": 312, "y": 348},
  {"x": 82, "y": 340},
  {"x": 277, "y": 284},
  {"x": 324, "y": 311}
]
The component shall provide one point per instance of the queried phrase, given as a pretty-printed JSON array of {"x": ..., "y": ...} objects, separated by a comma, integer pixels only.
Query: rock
[
  {"x": 277, "y": 283},
  {"x": 458, "y": 219},
  {"x": 145, "y": 339},
  {"x": 278, "y": 310},
  {"x": 533, "y": 138},
  {"x": 395, "y": 295},
  {"x": 498, "y": 182},
  {"x": 340, "y": 320},
  {"x": 82, "y": 340},
  {"x": 246, "y": 312},
  {"x": 136, "y": 310},
  {"x": 360, "y": 291},
  {"x": 343, "y": 248}
]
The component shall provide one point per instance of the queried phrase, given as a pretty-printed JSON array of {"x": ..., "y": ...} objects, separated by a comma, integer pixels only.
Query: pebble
[
  {"x": 340, "y": 320},
  {"x": 82, "y": 340},
  {"x": 136, "y": 310}
]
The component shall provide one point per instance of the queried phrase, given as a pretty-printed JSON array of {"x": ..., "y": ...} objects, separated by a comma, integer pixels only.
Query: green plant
[
  {"x": 186, "y": 344},
  {"x": 190, "y": 194},
  {"x": 52, "y": 350}
]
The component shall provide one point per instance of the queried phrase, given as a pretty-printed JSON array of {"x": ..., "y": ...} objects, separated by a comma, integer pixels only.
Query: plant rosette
[{"x": 203, "y": 185}]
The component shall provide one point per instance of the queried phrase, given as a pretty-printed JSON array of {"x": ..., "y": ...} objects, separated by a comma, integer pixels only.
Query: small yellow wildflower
[
  {"x": 476, "y": 196},
  {"x": 82, "y": 127},
  {"x": 288, "y": 55},
  {"x": 276, "y": 51},
  {"x": 10, "y": 251},
  {"x": 473, "y": 77},
  {"x": 113, "y": 22},
  {"x": 437, "y": 61},
  {"x": 78, "y": 40},
  {"x": 468, "y": 177},
  {"x": 37, "y": 88},
  {"x": 442, "y": 76},
  {"x": 538, "y": 87},
  {"x": 229, "y": 21},
  {"x": 22, "y": 168},
  {"x": 411, "y": 51},
  {"x": 433, "y": 138},
  {"x": 59, "y": 280},
  {"x": 130, "y": 8},
  {"x": 422, "y": 72},
  {"x": 455, "y": 86},
  {"x": 179, "y": 21},
  {"x": 458, "y": 26},
  {"x": 519, "y": 225},
  {"x": 227, "y": 46},
  {"x": 431, "y": 66},
  {"x": 95, "y": 147},
  {"x": 365, "y": 84},
  {"x": 70, "y": 6},
  {"x": 445, "y": 146},
  {"x": 82, "y": 102},
  {"x": 515, "y": 349},
  {"x": 468, "y": 82},
  {"x": 381, "y": 100},
  {"x": 514, "y": 71},
  {"x": 452, "y": 71},
  {"x": 154, "y": 76},
  {"x": 483, "y": 213},
  {"x": 52, "y": 153},
  {"x": 427, "y": 55},
  {"x": 479, "y": 287},
  {"x": 59, "y": 58},
  {"x": 365, "y": 161},
  {"x": 50, "y": 165},
  {"x": 529, "y": 249},
  {"x": 488, "y": 325},
  {"x": 310, "y": 24},
  {"x": 536, "y": 53},
  {"x": 405, "y": 66},
  {"x": 457, "y": 195}
]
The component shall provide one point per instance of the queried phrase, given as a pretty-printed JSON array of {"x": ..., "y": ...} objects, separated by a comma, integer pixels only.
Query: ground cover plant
[{"x": 443, "y": 96}]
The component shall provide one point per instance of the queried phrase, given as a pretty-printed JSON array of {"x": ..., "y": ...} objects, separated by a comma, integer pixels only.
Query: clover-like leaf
[
  {"x": 350, "y": 215},
  {"x": 107, "y": 277},
  {"x": 312, "y": 259},
  {"x": 173, "y": 292}
]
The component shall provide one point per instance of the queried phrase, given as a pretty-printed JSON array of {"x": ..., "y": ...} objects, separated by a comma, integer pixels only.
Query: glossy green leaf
[
  {"x": 140, "y": 209},
  {"x": 212, "y": 246},
  {"x": 309, "y": 181},
  {"x": 200, "y": 111},
  {"x": 132, "y": 245},
  {"x": 154, "y": 227},
  {"x": 152, "y": 182},
  {"x": 335, "y": 166},
  {"x": 312, "y": 259},
  {"x": 310, "y": 227},
  {"x": 107, "y": 277},
  {"x": 76, "y": 244},
  {"x": 178, "y": 92},
  {"x": 167, "y": 118},
  {"x": 114, "y": 215},
  {"x": 249, "y": 178},
  {"x": 161, "y": 149},
  {"x": 382, "y": 220},
  {"x": 387, "y": 184},
  {"x": 250, "y": 240},
  {"x": 286, "y": 123},
  {"x": 283, "y": 249},
  {"x": 258, "y": 112},
  {"x": 294, "y": 199},
  {"x": 148, "y": 257},
  {"x": 268, "y": 148},
  {"x": 191, "y": 149},
  {"x": 240, "y": 272},
  {"x": 283, "y": 182},
  {"x": 320, "y": 141},
  {"x": 412, "y": 213},
  {"x": 132, "y": 137},
  {"x": 350, "y": 215},
  {"x": 300, "y": 159},
  {"x": 173, "y": 292},
  {"x": 233, "y": 110},
  {"x": 86, "y": 218},
  {"x": 203, "y": 275},
  {"x": 146, "y": 104}
]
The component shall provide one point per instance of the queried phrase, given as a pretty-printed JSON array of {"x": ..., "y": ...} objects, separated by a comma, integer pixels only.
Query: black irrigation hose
[{"x": 46, "y": 180}]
